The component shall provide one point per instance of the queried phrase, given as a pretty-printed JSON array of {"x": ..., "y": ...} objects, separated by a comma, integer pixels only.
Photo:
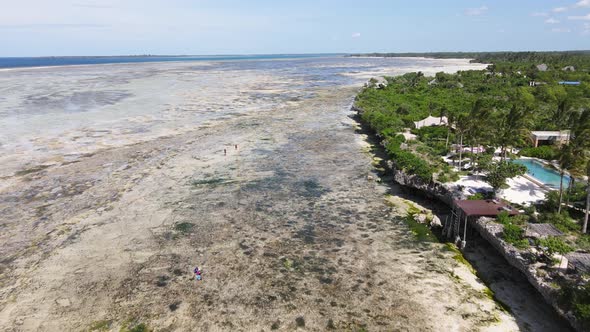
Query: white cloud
[
  {"x": 356, "y": 35},
  {"x": 551, "y": 20},
  {"x": 476, "y": 11},
  {"x": 580, "y": 18},
  {"x": 582, "y": 3},
  {"x": 561, "y": 30},
  {"x": 586, "y": 29},
  {"x": 559, "y": 9},
  {"x": 539, "y": 14}
]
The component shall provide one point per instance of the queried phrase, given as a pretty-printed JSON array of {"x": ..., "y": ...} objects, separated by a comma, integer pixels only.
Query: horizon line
[
  {"x": 166, "y": 55},
  {"x": 286, "y": 54}
]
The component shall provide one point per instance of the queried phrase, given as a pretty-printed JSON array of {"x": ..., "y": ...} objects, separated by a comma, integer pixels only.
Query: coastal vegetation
[
  {"x": 496, "y": 108},
  {"x": 478, "y": 121},
  {"x": 546, "y": 152},
  {"x": 557, "y": 59}
]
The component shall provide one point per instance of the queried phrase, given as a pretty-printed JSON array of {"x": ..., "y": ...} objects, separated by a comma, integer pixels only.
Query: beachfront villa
[
  {"x": 431, "y": 121},
  {"x": 549, "y": 137}
]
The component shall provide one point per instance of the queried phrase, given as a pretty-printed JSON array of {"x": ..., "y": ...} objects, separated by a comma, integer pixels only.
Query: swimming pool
[{"x": 544, "y": 174}]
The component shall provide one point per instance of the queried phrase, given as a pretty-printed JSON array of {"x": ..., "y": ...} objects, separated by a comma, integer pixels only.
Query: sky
[{"x": 130, "y": 27}]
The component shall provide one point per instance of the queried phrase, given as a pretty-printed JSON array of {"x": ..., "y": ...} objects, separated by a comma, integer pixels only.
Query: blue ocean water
[
  {"x": 90, "y": 60},
  {"x": 65, "y": 109}
]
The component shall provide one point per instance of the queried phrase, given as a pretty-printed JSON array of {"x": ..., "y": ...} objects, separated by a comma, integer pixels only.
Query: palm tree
[
  {"x": 450, "y": 124},
  {"x": 513, "y": 128},
  {"x": 563, "y": 114},
  {"x": 479, "y": 119},
  {"x": 566, "y": 161},
  {"x": 585, "y": 227},
  {"x": 580, "y": 143},
  {"x": 462, "y": 126},
  {"x": 416, "y": 79}
]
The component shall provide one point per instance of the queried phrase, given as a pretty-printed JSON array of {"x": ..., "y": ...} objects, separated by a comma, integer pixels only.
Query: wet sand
[{"x": 289, "y": 230}]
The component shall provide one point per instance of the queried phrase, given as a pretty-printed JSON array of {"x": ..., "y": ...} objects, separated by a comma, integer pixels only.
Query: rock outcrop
[
  {"x": 492, "y": 231},
  {"x": 433, "y": 189}
]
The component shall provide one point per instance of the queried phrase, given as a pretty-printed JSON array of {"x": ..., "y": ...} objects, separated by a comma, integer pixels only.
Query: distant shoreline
[
  {"x": 474, "y": 57},
  {"x": 53, "y": 61}
]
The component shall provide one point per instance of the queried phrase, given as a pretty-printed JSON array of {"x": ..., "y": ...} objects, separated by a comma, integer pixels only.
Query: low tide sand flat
[{"x": 110, "y": 203}]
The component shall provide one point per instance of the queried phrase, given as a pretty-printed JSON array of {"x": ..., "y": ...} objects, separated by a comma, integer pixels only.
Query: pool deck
[{"x": 523, "y": 190}]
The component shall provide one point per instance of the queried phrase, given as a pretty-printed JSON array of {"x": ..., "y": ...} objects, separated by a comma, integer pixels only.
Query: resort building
[
  {"x": 542, "y": 67},
  {"x": 535, "y": 83},
  {"x": 550, "y": 137},
  {"x": 574, "y": 83},
  {"x": 468, "y": 211},
  {"x": 432, "y": 121}
]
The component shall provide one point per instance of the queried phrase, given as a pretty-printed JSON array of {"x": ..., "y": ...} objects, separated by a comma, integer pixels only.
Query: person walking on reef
[
  {"x": 236, "y": 146},
  {"x": 224, "y": 152},
  {"x": 198, "y": 274}
]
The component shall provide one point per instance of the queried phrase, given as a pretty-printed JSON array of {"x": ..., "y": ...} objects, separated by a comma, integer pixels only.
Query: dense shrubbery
[
  {"x": 436, "y": 138},
  {"x": 520, "y": 219},
  {"x": 577, "y": 299},
  {"x": 551, "y": 202},
  {"x": 476, "y": 197},
  {"x": 384, "y": 122},
  {"x": 554, "y": 245},
  {"x": 576, "y": 195},
  {"x": 583, "y": 242},
  {"x": 448, "y": 176},
  {"x": 409, "y": 162},
  {"x": 561, "y": 221},
  {"x": 433, "y": 134},
  {"x": 512, "y": 233},
  {"x": 546, "y": 152}
]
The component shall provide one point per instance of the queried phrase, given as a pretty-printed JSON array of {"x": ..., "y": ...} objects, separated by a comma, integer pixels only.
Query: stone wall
[
  {"x": 492, "y": 231},
  {"x": 433, "y": 189}
]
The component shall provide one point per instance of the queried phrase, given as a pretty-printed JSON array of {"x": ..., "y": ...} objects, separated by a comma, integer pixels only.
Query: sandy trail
[{"x": 288, "y": 229}]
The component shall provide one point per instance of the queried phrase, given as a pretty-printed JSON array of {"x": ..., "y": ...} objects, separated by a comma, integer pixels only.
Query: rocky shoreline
[
  {"x": 289, "y": 234},
  {"x": 491, "y": 232},
  {"x": 484, "y": 227}
]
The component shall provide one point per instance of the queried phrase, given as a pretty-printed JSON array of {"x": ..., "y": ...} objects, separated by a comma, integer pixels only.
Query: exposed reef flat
[{"x": 289, "y": 229}]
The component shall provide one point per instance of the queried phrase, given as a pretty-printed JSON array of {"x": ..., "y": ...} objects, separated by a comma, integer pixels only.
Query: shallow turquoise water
[{"x": 542, "y": 173}]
